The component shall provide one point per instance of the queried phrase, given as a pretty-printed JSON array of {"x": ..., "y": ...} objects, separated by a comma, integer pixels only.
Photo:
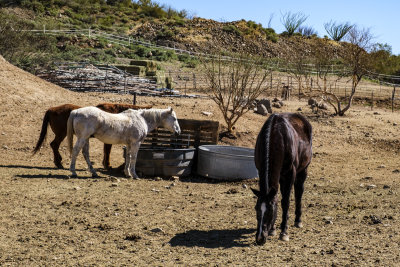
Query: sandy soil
[{"x": 351, "y": 200}]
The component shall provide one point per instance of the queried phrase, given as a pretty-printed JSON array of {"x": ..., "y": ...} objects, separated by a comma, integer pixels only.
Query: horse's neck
[{"x": 152, "y": 117}]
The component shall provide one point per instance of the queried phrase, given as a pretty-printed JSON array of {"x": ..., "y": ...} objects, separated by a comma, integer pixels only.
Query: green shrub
[{"x": 232, "y": 29}]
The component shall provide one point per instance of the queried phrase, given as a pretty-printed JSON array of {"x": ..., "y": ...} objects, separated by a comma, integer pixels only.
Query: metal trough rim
[{"x": 204, "y": 148}]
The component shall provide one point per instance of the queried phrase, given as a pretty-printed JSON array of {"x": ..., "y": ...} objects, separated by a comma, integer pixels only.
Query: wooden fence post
[{"x": 393, "y": 94}]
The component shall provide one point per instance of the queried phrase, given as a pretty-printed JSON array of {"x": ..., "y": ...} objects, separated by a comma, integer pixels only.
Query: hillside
[
  {"x": 203, "y": 35},
  {"x": 196, "y": 34}
]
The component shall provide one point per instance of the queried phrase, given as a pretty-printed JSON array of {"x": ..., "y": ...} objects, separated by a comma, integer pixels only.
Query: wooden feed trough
[{"x": 164, "y": 154}]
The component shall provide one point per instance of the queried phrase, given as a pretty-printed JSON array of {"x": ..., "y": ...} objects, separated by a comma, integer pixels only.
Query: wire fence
[{"x": 376, "y": 86}]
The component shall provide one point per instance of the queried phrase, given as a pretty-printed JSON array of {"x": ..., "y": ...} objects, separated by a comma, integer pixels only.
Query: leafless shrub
[
  {"x": 292, "y": 22},
  {"x": 337, "y": 31},
  {"x": 235, "y": 83}
]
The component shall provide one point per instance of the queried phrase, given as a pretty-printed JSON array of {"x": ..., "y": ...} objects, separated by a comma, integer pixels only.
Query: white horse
[{"x": 129, "y": 127}]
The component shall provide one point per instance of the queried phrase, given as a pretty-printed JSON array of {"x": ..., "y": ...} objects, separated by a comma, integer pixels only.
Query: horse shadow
[
  {"x": 213, "y": 238},
  {"x": 37, "y": 176}
]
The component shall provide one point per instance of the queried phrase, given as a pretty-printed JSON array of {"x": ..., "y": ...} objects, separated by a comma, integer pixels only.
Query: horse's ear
[
  {"x": 256, "y": 192},
  {"x": 170, "y": 110},
  {"x": 272, "y": 193}
]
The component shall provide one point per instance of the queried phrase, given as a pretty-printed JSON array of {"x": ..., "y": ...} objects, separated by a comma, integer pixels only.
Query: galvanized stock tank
[
  {"x": 165, "y": 162},
  {"x": 226, "y": 162}
]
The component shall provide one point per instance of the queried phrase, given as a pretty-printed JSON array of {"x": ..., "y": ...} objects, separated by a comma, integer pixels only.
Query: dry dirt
[{"x": 351, "y": 200}]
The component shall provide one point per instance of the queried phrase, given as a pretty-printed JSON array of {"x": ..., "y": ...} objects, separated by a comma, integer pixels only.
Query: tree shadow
[
  {"x": 212, "y": 239},
  {"x": 43, "y": 176}
]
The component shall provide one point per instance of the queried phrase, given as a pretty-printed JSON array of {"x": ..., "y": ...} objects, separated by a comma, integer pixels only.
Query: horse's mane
[
  {"x": 152, "y": 115},
  {"x": 266, "y": 135}
]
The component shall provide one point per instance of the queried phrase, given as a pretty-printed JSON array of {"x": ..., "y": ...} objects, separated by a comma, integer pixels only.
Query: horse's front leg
[
  {"x": 298, "y": 194},
  {"x": 286, "y": 184},
  {"x": 75, "y": 151},
  {"x": 85, "y": 153},
  {"x": 127, "y": 169},
  {"x": 132, "y": 152}
]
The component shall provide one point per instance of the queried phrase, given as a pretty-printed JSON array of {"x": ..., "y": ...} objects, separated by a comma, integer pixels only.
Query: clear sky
[{"x": 381, "y": 16}]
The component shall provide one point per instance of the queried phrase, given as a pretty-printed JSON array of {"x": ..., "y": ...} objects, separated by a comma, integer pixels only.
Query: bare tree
[
  {"x": 356, "y": 59},
  {"x": 326, "y": 76},
  {"x": 235, "y": 83},
  {"x": 298, "y": 66},
  {"x": 292, "y": 22},
  {"x": 337, "y": 31}
]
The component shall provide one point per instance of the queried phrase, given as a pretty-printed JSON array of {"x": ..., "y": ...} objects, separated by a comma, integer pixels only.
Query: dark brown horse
[
  {"x": 282, "y": 154},
  {"x": 57, "y": 117}
]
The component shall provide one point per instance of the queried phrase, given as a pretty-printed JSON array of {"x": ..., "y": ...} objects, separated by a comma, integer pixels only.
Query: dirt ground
[{"x": 351, "y": 200}]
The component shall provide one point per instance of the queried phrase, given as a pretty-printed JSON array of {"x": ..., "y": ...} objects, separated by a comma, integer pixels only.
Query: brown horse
[
  {"x": 282, "y": 154},
  {"x": 57, "y": 117}
]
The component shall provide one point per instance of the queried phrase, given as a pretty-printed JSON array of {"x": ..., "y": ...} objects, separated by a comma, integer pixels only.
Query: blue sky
[{"x": 380, "y": 16}]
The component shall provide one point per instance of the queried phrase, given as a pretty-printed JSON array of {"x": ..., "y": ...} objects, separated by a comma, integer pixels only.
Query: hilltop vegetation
[{"x": 150, "y": 21}]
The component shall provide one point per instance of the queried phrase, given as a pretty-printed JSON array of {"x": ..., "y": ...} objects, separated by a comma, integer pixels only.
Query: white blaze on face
[{"x": 263, "y": 210}]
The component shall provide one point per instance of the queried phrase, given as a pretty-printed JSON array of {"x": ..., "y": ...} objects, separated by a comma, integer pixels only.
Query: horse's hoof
[
  {"x": 284, "y": 237},
  {"x": 95, "y": 175},
  {"x": 272, "y": 233},
  {"x": 73, "y": 176},
  {"x": 298, "y": 224}
]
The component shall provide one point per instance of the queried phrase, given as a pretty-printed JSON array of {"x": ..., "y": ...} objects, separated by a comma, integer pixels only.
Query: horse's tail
[
  {"x": 265, "y": 168},
  {"x": 43, "y": 132},
  {"x": 70, "y": 130}
]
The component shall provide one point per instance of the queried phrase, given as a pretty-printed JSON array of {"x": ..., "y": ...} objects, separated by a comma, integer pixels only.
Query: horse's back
[
  {"x": 118, "y": 108},
  {"x": 299, "y": 143},
  {"x": 300, "y": 124},
  {"x": 290, "y": 139}
]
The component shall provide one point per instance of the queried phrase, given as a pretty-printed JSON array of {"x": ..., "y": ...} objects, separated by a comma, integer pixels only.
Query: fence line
[{"x": 193, "y": 81}]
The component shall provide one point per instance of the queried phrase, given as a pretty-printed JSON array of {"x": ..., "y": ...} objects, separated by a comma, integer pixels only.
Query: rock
[
  {"x": 276, "y": 105},
  {"x": 381, "y": 166},
  {"x": 157, "y": 230},
  {"x": 322, "y": 105},
  {"x": 312, "y": 101},
  {"x": 371, "y": 186},
  {"x": 114, "y": 184},
  {"x": 267, "y": 104},
  {"x": 206, "y": 113},
  {"x": 133, "y": 237},
  {"x": 244, "y": 186},
  {"x": 261, "y": 109},
  {"x": 114, "y": 179},
  {"x": 328, "y": 220},
  {"x": 386, "y": 186},
  {"x": 299, "y": 109}
]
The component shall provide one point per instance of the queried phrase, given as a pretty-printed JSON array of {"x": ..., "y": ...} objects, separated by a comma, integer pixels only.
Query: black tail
[{"x": 43, "y": 132}]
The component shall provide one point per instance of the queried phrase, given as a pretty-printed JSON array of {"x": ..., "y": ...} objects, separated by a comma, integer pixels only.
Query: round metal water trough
[
  {"x": 226, "y": 162},
  {"x": 165, "y": 162}
]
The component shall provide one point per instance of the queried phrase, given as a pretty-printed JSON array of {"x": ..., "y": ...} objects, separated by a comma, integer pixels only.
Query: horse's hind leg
[
  {"x": 106, "y": 157},
  {"x": 55, "y": 145},
  {"x": 298, "y": 194},
  {"x": 75, "y": 151},
  {"x": 85, "y": 152}
]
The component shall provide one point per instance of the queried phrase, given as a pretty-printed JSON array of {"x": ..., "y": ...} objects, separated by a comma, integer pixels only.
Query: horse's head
[
  {"x": 266, "y": 209},
  {"x": 170, "y": 121}
]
